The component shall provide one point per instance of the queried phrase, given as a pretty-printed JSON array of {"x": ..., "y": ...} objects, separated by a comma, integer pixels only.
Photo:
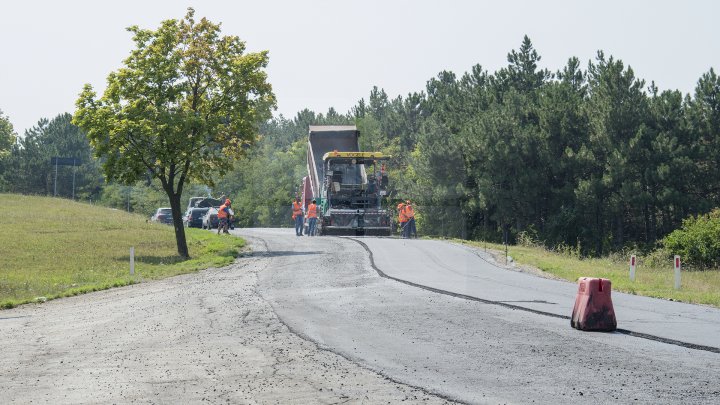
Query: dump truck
[{"x": 349, "y": 186}]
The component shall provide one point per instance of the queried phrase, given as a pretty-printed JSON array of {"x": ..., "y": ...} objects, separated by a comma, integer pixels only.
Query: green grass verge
[
  {"x": 55, "y": 248},
  {"x": 698, "y": 287}
]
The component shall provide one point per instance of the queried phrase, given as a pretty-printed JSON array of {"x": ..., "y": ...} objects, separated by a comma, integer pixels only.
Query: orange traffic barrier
[{"x": 593, "y": 308}]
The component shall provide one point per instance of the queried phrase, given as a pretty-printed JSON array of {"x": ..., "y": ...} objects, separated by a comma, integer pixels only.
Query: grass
[
  {"x": 53, "y": 248},
  {"x": 697, "y": 287}
]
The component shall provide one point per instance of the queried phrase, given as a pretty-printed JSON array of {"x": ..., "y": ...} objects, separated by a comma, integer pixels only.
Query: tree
[
  {"x": 7, "y": 134},
  {"x": 704, "y": 116},
  {"x": 616, "y": 110},
  {"x": 183, "y": 107},
  {"x": 7, "y": 139},
  {"x": 29, "y": 170}
]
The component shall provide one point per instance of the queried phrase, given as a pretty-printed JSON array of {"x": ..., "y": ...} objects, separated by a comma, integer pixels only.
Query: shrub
[{"x": 697, "y": 241}]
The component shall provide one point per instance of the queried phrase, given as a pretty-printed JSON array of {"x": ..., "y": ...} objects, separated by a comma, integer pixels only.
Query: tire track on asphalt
[{"x": 534, "y": 311}]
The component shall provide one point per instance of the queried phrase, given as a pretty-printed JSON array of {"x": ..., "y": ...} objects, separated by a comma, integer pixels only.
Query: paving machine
[{"x": 349, "y": 186}]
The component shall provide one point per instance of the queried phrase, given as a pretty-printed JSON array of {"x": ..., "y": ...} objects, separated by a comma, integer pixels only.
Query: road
[
  {"x": 206, "y": 337},
  {"x": 309, "y": 320},
  {"x": 326, "y": 290},
  {"x": 473, "y": 272}
]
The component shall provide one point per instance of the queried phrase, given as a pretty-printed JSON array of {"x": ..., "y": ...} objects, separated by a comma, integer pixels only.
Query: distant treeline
[{"x": 593, "y": 159}]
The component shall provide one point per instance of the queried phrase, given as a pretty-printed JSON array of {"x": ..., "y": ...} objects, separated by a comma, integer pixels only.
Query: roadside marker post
[
  {"x": 677, "y": 272},
  {"x": 132, "y": 261},
  {"x": 632, "y": 267}
]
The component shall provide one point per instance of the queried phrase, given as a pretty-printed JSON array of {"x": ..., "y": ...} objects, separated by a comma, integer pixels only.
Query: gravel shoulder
[{"x": 203, "y": 337}]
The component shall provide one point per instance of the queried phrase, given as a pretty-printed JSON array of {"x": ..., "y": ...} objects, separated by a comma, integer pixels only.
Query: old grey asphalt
[{"x": 206, "y": 337}]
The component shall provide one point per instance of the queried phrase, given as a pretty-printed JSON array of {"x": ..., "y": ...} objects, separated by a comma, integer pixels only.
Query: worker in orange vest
[
  {"x": 402, "y": 219},
  {"x": 411, "y": 230},
  {"x": 312, "y": 218},
  {"x": 297, "y": 215},
  {"x": 224, "y": 217}
]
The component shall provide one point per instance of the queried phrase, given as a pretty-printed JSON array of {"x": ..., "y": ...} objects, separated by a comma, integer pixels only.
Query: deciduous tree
[{"x": 184, "y": 106}]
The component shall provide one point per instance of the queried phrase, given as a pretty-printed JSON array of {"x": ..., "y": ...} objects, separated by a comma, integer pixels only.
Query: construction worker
[
  {"x": 411, "y": 230},
  {"x": 297, "y": 215},
  {"x": 224, "y": 217},
  {"x": 312, "y": 218},
  {"x": 402, "y": 219}
]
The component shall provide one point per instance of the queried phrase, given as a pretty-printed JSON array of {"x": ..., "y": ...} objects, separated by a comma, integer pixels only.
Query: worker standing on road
[
  {"x": 411, "y": 230},
  {"x": 312, "y": 218},
  {"x": 402, "y": 219},
  {"x": 224, "y": 217},
  {"x": 297, "y": 215}
]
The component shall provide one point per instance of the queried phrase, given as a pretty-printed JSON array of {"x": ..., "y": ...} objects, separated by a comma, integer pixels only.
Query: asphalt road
[
  {"x": 206, "y": 337},
  {"x": 308, "y": 320},
  {"x": 325, "y": 290},
  {"x": 473, "y": 272}
]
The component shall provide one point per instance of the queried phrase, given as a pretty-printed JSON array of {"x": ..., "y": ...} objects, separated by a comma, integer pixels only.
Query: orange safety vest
[
  {"x": 401, "y": 215},
  {"x": 409, "y": 212},
  {"x": 312, "y": 211},
  {"x": 297, "y": 209},
  {"x": 221, "y": 212}
]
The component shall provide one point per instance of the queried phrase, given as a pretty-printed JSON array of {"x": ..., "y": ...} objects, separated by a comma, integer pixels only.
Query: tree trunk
[{"x": 178, "y": 224}]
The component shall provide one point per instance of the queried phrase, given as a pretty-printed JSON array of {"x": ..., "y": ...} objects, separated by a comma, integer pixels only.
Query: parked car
[
  {"x": 193, "y": 217},
  {"x": 163, "y": 216},
  {"x": 210, "y": 219}
]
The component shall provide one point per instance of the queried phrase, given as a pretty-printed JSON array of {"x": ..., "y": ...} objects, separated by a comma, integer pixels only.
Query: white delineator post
[
  {"x": 677, "y": 272},
  {"x": 132, "y": 261},
  {"x": 632, "y": 267}
]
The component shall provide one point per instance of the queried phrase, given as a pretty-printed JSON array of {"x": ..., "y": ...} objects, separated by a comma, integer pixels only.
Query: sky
[{"x": 330, "y": 53}]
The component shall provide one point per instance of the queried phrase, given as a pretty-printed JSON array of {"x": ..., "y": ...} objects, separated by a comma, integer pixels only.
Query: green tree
[
  {"x": 29, "y": 169},
  {"x": 563, "y": 127},
  {"x": 616, "y": 108},
  {"x": 7, "y": 134},
  {"x": 185, "y": 104},
  {"x": 704, "y": 117},
  {"x": 7, "y": 139}
]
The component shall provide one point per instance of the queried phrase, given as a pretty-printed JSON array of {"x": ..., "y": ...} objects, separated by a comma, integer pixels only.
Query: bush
[{"x": 697, "y": 241}]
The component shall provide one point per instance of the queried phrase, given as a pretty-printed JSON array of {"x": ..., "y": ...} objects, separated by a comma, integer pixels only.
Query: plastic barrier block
[{"x": 593, "y": 310}]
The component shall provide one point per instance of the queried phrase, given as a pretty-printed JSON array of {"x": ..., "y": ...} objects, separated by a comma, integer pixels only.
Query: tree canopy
[
  {"x": 29, "y": 169},
  {"x": 592, "y": 159},
  {"x": 186, "y": 104},
  {"x": 7, "y": 134}
]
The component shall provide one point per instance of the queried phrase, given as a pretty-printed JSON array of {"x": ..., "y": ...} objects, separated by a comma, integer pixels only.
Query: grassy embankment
[
  {"x": 56, "y": 248},
  {"x": 698, "y": 287}
]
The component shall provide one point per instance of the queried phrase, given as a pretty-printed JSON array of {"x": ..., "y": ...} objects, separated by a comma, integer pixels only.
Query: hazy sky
[{"x": 330, "y": 53}]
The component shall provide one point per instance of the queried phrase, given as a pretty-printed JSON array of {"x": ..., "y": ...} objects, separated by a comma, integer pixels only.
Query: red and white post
[
  {"x": 633, "y": 261},
  {"x": 676, "y": 263}
]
